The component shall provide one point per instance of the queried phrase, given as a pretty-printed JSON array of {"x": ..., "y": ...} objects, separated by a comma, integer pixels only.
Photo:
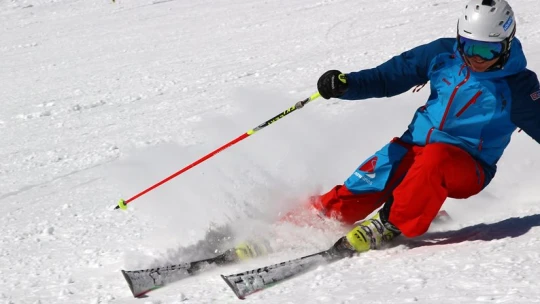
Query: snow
[{"x": 101, "y": 100}]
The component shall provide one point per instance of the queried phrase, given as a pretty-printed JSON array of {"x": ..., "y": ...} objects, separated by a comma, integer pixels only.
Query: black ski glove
[{"x": 332, "y": 84}]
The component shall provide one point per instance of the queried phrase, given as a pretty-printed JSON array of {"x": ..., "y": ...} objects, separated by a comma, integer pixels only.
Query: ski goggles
[{"x": 482, "y": 49}]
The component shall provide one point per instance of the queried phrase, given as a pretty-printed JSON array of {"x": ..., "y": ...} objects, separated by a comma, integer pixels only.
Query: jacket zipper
[
  {"x": 428, "y": 137},
  {"x": 452, "y": 98},
  {"x": 473, "y": 100}
]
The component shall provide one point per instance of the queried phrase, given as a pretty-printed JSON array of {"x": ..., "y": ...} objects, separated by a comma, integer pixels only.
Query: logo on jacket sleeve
[
  {"x": 535, "y": 95},
  {"x": 369, "y": 167}
]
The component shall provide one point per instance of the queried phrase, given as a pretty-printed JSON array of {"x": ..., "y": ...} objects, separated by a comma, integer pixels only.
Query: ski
[
  {"x": 249, "y": 282},
  {"x": 145, "y": 280}
]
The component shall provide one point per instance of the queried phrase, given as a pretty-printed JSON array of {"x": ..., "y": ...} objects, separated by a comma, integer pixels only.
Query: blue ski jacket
[{"x": 476, "y": 111}]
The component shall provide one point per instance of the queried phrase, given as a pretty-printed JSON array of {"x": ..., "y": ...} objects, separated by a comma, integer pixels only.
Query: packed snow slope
[{"x": 100, "y": 100}]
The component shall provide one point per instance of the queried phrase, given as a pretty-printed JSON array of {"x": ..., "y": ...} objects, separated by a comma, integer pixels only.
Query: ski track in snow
[{"x": 100, "y": 100}]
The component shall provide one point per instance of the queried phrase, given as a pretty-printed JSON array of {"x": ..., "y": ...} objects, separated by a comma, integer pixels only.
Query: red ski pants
[{"x": 423, "y": 180}]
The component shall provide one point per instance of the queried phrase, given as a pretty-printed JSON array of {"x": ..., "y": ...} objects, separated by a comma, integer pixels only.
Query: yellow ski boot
[
  {"x": 251, "y": 249},
  {"x": 371, "y": 234}
]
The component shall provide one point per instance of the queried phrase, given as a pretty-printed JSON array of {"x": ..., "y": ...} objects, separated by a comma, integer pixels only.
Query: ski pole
[{"x": 123, "y": 203}]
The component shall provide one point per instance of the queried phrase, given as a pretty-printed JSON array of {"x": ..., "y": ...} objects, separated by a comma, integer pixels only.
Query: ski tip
[
  {"x": 128, "y": 280},
  {"x": 233, "y": 287}
]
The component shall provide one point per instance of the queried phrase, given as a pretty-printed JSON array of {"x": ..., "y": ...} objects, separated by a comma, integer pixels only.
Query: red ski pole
[{"x": 123, "y": 203}]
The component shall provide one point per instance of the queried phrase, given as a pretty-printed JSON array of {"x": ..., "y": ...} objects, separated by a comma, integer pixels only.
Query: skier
[{"x": 481, "y": 92}]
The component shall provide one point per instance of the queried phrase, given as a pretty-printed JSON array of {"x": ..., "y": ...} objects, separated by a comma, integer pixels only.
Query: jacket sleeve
[
  {"x": 525, "y": 112},
  {"x": 399, "y": 74}
]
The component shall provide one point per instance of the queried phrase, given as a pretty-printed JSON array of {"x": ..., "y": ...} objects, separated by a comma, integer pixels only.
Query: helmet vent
[
  {"x": 488, "y": 2},
  {"x": 501, "y": 23},
  {"x": 492, "y": 9}
]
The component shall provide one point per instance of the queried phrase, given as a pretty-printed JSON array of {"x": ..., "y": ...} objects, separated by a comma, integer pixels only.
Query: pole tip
[{"x": 121, "y": 205}]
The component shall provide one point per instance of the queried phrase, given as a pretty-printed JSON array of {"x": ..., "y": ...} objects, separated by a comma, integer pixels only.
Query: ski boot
[
  {"x": 251, "y": 249},
  {"x": 372, "y": 233}
]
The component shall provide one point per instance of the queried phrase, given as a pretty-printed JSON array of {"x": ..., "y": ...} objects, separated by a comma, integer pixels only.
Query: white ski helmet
[{"x": 489, "y": 21}]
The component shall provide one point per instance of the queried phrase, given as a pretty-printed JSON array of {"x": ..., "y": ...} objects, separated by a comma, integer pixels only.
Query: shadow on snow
[{"x": 512, "y": 227}]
